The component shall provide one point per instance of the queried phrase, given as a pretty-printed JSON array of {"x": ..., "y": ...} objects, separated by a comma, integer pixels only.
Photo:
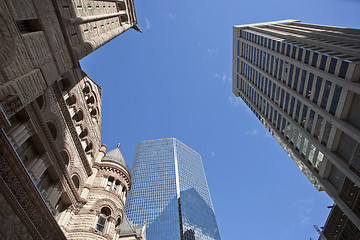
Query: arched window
[
  {"x": 104, "y": 214},
  {"x": 78, "y": 116},
  {"x": 71, "y": 100},
  {"x": 88, "y": 147},
  {"x": 109, "y": 183},
  {"x": 83, "y": 133},
  {"x": 76, "y": 181},
  {"x": 65, "y": 156}
]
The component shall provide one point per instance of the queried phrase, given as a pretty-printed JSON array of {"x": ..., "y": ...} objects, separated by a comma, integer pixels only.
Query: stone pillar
[
  {"x": 38, "y": 170},
  {"x": 101, "y": 153},
  {"x": 54, "y": 194},
  {"x": 65, "y": 219},
  {"x": 89, "y": 182}
]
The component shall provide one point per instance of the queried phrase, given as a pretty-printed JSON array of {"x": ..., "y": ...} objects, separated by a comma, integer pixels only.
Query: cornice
[
  {"x": 28, "y": 198},
  {"x": 117, "y": 170}
]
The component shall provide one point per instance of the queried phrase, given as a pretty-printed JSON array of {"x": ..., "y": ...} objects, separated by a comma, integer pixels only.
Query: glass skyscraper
[{"x": 170, "y": 193}]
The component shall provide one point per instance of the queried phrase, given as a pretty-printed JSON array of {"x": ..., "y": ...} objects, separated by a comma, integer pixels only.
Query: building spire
[{"x": 118, "y": 145}]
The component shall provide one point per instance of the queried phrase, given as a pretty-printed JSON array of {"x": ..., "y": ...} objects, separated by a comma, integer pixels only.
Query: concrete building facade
[
  {"x": 302, "y": 81},
  {"x": 52, "y": 167}
]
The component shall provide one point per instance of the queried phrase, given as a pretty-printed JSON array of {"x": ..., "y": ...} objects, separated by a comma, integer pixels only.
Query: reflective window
[
  {"x": 287, "y": 98},
  {"x": 169, "y": 201},
  {"x": 104, "y": 214},
  {"x": 303, "y": 115}
]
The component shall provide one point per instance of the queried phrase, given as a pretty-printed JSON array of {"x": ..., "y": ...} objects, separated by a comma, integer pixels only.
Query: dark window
[
  {"x": 283, "y": 48},
  {"x": 272, "y": 64},
  {"x": 282, "y": 97},
  {"x": 273, "y": 45},
  {"x": 302, "y": 82},
  {"x": 314, "y": 59},
  {"x": 276, "y": 67},
  {"x": 262, "y": 41},
  {"x": 238, "y": 65},
  {"x": 278, "y": 46},
  {"x": 335, "y": 100},
  {"x": 303, "y": 115},
  {"x": 296, "y": 79},
  {"x": 269, "y": 89},
  {"x": 343, "y": 68},
  {"x": 104, "y": 214},
  {"x": 325, "y": 96},
  {"x": 27, "y": 26},
  {"x": 290, "y": 75},
  {"x": 317, "y": 89},
  {"x": 332, "y": 66},
  {"x": 294, "y": 52},
  {"x": 288, "y": 47},
  {"x": 273, "y": 91},
  {"x": 275, "y": 115},
  {"x": 287, "y": 98},
  {"x": 238, "y": 48},
  {"x": 307, "y": 56},
  {"x": 311, "y": 120},
  {"x": 277, "y": 93},
  {"x": 292, "y": 106},
  {"x": 309, "y": 86},
  {"x": 300, "y": 53},
  {"x": 271, "y": 112},
  {"x": 281, "y": 68},
  {"x": 297, "y": 113},
  {"x": 279, "y": 121},
  {"x": 323, "y": 61},
  {"x": 266, "y": 82}
]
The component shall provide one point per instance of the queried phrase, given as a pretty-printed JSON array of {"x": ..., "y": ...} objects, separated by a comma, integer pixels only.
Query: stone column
[{"x": 38, "y": 170}]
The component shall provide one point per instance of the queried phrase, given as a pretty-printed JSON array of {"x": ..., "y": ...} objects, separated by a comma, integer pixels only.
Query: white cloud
[
  {"x": 148, "y": 24},
  {"x": 252, "y": 132},
  {"x": 224, "y": 77},
  {"x": 212, "y": 51},
  {"x": 212, "y": 154},
  {"x": 171, "y": 16},
  {"x": 236, "y": 101}
]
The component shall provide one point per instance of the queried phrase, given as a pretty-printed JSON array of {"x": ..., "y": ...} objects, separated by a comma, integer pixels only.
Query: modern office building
[
  {"x": 170, "y": 193},
  {"x": 302, "y": 81}
]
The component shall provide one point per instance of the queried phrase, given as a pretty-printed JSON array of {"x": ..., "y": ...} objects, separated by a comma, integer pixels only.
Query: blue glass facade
[{"x": 170, "y": 193}]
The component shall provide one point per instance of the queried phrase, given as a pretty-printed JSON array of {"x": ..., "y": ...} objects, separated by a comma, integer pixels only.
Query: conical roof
[{"x": 115, "y": 155}]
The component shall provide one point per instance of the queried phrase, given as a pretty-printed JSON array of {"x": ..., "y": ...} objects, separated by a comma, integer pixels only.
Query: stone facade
[{"x": 51, "y": 168}]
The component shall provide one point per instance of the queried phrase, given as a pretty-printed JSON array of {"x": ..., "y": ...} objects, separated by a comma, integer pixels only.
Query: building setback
[
  {"x": 170, "y": 192},
  {"x": 302, "y": 81}
]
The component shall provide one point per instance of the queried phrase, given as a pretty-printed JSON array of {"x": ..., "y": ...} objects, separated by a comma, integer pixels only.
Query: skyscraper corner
[{"x": 301, "y": 80}]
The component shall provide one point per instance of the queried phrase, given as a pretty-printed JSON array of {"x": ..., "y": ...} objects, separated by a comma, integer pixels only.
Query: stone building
[{"x": 56, "y": 182}]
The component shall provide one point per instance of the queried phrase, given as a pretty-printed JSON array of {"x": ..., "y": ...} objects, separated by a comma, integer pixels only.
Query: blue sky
[{"x": 174, "y": 80}]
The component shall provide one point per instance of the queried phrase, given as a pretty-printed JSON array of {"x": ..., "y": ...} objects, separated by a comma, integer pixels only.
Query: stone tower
[{"x": 105, "y": 194}]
